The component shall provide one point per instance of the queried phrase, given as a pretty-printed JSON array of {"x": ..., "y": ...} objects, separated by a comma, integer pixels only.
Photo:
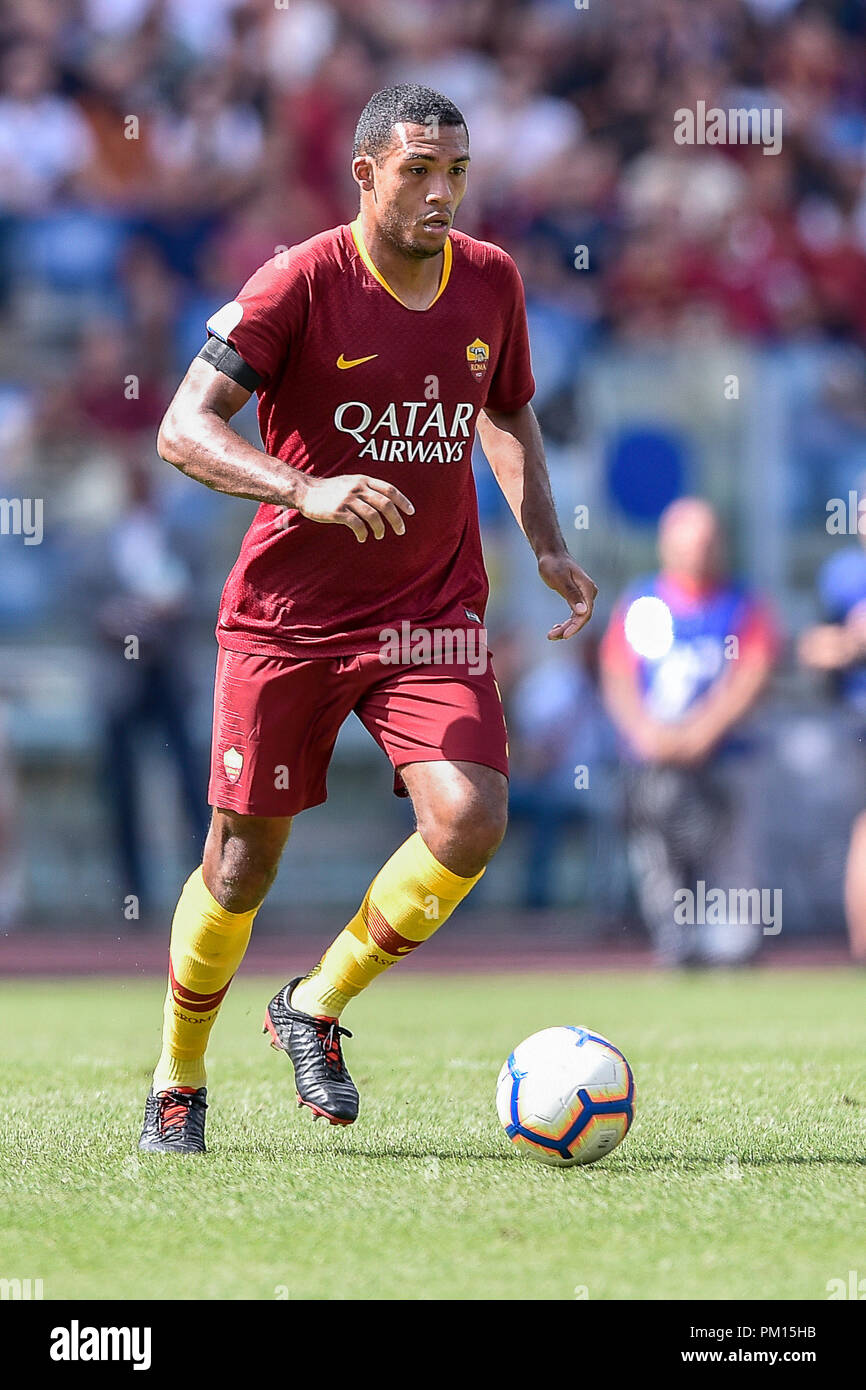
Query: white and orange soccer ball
[{"x": 566, "y": 1096}]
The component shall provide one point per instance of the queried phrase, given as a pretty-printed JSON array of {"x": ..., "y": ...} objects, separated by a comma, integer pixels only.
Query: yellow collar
[{"x": 358, "y": 235}]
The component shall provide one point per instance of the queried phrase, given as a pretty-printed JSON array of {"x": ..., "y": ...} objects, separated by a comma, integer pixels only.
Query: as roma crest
[
  {"x": 233, "y": 762},
  {"x": 478, "y": 356}
]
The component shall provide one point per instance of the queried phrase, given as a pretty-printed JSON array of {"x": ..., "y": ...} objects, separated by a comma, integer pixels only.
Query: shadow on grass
[
  {"x": 676, "y": 1161},
  {"x": 619, "y": 1164},
  {"x": 386, "y": 1151}
]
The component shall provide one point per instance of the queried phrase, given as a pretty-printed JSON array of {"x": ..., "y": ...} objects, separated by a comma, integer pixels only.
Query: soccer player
[{"x": 375, "y": 349}]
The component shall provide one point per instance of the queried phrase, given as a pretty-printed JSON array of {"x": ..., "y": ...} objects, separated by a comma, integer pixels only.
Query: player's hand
[
  {"x": 564, "y": 575},
  {"x": 356, "y": 501}
]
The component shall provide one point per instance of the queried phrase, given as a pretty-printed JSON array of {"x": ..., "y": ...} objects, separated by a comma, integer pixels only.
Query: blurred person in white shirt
[{"x": 44, "y": 139}]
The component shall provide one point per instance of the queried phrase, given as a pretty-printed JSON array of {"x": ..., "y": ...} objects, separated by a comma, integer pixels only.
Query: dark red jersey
[{"x": 353, "y": 381}]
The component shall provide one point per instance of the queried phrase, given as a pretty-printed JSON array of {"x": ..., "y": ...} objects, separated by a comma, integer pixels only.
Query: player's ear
[{"x": 362, "y": 172}]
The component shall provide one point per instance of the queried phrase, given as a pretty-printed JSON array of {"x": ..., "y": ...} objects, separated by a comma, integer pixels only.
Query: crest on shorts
[
  {"x": 233, "y": 762},
  {"x": 478, "y": 356}
]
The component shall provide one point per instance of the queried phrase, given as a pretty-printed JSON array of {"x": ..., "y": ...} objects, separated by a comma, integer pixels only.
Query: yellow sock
[
  {"x": 410, "y": 897},
  {"x": 207, "y": 946}
]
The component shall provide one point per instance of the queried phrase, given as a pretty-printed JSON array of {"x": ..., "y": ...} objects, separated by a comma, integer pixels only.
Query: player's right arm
[{"x": 197, "y": 438}]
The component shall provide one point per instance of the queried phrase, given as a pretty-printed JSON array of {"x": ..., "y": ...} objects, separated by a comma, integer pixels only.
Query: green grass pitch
[{"x": 743, "y": 1175}]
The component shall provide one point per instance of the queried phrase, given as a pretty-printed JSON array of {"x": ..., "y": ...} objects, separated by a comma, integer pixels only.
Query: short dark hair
[{"x": 405, "y": 102}]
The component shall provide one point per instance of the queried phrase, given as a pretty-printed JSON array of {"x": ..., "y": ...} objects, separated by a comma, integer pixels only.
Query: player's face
[{"x": 419, "y": 185}]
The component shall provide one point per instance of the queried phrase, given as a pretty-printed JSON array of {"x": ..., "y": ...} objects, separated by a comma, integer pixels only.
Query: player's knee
[
  {"x": 241, "y": 860},
  {"x": 488, "y": 831},
  {"x": 466, "y": 833},
  {"x": 240, "y": 885}
]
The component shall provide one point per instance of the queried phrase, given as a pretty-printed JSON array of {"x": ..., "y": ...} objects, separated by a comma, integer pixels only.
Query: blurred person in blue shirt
[
  {"x": 562, "y": 750},
  {"x": 686, "y": 656},
  {"x": 837, "y": 648},
  {"x": 141, "y": 618},
  {"x": 10, "y": 849}
]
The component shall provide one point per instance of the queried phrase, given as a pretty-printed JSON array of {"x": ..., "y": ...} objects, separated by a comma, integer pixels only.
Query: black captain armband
[{"x": 230, "y": 363}]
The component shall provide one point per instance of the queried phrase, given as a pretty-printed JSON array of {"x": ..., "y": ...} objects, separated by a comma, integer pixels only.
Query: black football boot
[
  {"x": 174, "y": 1121},
  {"x": 313, "y": 1046}
]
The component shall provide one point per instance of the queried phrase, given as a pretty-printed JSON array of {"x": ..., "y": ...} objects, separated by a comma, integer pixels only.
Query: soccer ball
[{"x": 566, "y": 1096}]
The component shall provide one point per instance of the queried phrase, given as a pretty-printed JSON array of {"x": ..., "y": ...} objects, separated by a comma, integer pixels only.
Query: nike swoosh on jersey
[{"x": 343, "y": 364}]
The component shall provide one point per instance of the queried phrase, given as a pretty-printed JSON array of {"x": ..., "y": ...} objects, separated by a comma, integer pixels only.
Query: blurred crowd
[
  {"x": 154, "y": 152},
  {"x": 200, "y": 134}
]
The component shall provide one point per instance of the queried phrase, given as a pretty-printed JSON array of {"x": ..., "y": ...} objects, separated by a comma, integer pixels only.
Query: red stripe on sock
[
  {"x": 383, "y": 933},
  {"x": 189, "y": 999}
]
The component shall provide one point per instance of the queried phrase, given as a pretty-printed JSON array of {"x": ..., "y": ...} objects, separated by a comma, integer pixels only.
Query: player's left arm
[{"x": 514, "y": 449}]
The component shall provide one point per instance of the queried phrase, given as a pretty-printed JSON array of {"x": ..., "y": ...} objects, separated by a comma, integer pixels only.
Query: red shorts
[{"x": 276, "y": 721}]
